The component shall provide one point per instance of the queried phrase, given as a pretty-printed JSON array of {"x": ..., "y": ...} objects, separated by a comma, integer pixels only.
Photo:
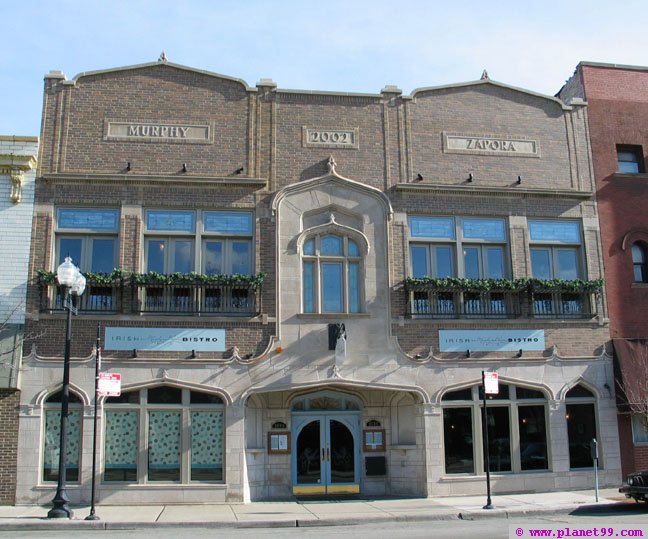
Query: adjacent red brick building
[{"x": 617, "y": 98}]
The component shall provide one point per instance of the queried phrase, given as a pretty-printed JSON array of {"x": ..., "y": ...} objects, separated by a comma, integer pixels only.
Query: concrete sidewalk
[{"x": 316, "y": 512}]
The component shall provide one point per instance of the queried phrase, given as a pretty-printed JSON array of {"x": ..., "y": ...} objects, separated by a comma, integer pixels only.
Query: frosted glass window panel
[
  {"x": 206, "y": 446},
  {"x": 331, "y": 246},
  {"x": 121, "y": 445},
  {"x": 332, "y": 287},
  {"x": 228, "y": 222},
  {"x": 555, "y": 231},
  {"x": 88, "y": 219},
  {"x": 52, "y": 445},
  {"x": 214, "y": 257},
  {"x": 484, "y": 229},
  {"x": 164, "y": 445},
  {"x": 432, "y": 227},
  {"x": 172, "y": 221},
  {"x": 241, "y": 257}
]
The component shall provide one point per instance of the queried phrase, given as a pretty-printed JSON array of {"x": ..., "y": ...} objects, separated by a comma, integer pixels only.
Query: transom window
[
  {"x": 331, "y": 273},
  {"x": 89, "y": 237},
  {"x": 517, "y": 431},
  {"x": 164, "y": 434},
  {"x": 555, "y": 249},
  {"x": 639, "y": 263},
  {"x": 474, "y": 248},
  {"x": 224, "y": 238}
]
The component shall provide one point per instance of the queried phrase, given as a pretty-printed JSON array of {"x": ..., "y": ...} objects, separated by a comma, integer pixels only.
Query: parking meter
[{"x": 594, "y": 449}]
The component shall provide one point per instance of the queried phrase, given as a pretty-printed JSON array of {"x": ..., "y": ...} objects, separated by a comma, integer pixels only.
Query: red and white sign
[
  {"x": 109, "y": 385},
  {"x": 491, "y": 380}
]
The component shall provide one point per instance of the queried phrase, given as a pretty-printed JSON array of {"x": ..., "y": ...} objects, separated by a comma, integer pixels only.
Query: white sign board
[
  {"x": 165, "y": 339},
  {"x": 491, "y": 340},
  {"x": 109, "y": 385},
  {"x": 491, "y": 386}
]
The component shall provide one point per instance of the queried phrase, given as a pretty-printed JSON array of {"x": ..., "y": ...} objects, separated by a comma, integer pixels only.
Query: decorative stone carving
[{"x": 15, "y": 167}]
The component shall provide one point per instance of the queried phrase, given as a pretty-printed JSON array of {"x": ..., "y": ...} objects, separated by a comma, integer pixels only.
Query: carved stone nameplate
[
  {"x": 151, "y": 132},
  {"x": 480, "y": 145},
  {"x": 330, "y": 138}
]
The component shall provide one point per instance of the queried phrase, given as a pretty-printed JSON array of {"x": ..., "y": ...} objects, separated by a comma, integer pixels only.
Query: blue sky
[{"x": 336, "y": 45}]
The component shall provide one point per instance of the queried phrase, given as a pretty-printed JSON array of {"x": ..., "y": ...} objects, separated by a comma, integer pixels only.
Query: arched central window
[
  {"x": 331, "y": 272},
  {"x": 639, "y": 263}
]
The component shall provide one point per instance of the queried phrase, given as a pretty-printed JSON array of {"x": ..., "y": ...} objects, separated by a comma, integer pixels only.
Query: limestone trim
[
  {"x": 333, "y": 227},
  {"x": 146, "y": 179},
  {"x": 512, "y": 192},
  {"x": 15, "y": 166},
  {"x": 544, "y": 388},
  {"x": 578, "y": 381},
  {"x": 42, "y": 395},
  {"x": 633, "y": 235}
]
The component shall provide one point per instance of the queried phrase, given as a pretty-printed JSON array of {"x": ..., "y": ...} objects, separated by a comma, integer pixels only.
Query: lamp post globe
[{"x": 73, "y": 283}]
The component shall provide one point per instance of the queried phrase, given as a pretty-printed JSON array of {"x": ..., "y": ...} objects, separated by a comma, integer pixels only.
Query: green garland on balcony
[
  {"x": 485, "y": 285},
  {"x": 96, "y": 278},
  {"x": 152, "y": 277}
]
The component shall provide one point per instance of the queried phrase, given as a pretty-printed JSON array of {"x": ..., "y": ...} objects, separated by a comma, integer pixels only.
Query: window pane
[
  {"x": 353, "y": 248},
  {"x": 173, "y": 221},
  {"x": 567, "y": 261},
  {"x": 228, "y": 222},
  {"x": 155, "y": 255},
  {"x": 241, "y": 257},
  {"x": 562, "y": 231},
  {"x": 213, "y": 258},
  {"x": 122, "y": 435},
  {"x": 103, "y": 255},
  {"x": 484, "y": 229},
  {"x": 419, "y": 254},
  {"x": 499, "y": 439},
  {"x": 164, "y": 395},
  {"x": 331, "y": 246},
  {"x": 198, "y": 397},
  {"x": 629, "y": 167},
  {"x": 432, "y": 227},
  {"x": 541, "y": 263},
  {"x": 331, "y": 287},
  {"x": 458, "y": 395},
  {"x": 581, "y": 428},
  {"x": 579, "y": 392},
  {"x": 471, "y": 263},
  {"x": 309, "y": 247},
  {"x": 443, "y": 262},
  {"x": 52, "y": 445},
  {"x": 533, "y": 437},
  {"x": 206, "y": 446},
  {"x": 309, "y": 288},
  {"x": 70, "y": 247},
  {"x": 495, "y": 259},
  {"x": 526, "y": 393},
  {"x": 354, "y": 288},
  {"x": 638, "y": 255},
  {"x": 639, "y": 428},
  {"x": 164, "y": 446},
  {"x": 88, "y": 219},
  {"x": 458, "y": 440},
  {"x": 183, "y": 256}
]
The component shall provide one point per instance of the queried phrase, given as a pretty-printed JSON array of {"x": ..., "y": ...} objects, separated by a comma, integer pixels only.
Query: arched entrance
[{"x": 326, "y": 444}]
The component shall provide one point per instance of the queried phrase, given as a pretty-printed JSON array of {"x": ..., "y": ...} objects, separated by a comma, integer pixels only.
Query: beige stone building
[{"x": 310, "y": 286}]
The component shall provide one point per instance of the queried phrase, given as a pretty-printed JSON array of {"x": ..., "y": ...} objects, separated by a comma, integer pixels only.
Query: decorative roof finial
[
  {"x": 163, "y": 58},
  {"x": 331, "y": 165},
  {"x": 485, "y": 75}
]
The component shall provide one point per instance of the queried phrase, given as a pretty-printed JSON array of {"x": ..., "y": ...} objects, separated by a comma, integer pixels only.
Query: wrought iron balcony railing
[{"x": 97, "y": 298}]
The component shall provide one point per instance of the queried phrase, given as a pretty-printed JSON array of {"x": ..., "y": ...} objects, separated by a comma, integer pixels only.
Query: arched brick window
[{"x": 640, "y": 263}]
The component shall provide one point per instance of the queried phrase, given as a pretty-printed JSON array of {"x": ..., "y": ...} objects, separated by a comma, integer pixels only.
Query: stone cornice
[
  {"x": 184, "y": 179},
  {"x": 513, "y": 192}
]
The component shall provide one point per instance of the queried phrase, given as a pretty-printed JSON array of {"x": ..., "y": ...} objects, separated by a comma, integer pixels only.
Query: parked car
[{"x": 636, "y": 486}]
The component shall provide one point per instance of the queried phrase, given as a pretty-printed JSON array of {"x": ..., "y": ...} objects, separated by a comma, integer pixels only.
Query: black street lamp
[{"x": 73, "y": 284}]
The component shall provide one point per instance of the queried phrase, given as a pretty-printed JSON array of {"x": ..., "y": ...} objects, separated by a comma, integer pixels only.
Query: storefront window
[{"x": 53, "y": 438}]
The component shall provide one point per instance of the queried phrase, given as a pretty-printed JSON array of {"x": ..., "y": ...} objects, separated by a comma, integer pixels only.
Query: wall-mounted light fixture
[
  {"x": 470, "y": 177},
  {"x": 418, "y": 178},
  {"x": 239, "y": 170},
  {"x": 519, "y": 180},
  {"x": 184, "y": 167},
  {"x": 128, "y": 166}
]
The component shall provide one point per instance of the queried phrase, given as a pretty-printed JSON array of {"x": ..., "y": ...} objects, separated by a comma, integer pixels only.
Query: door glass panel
[
  {"x": 567, "y": 260},
  {"x": 541, "y": 263},
  {"x": 581, "y": 428},
  {"x": 309, "y": 464},
  {"x": 241, "y": 257},
  {"x": 183, "y": 259},
  {"x": 213, "y": 258},
  {"x": 419, "y": 261},
  {"x": 471, "y": 262},
  {"x": 443, "y": 262},
  {"x": 495, "y": 257},
  {"x": 155, "y": 256},
  {"x": 103, "y": 256},
  {"x": 342, "y": 454},
  {"x": 70, "y": 247}
]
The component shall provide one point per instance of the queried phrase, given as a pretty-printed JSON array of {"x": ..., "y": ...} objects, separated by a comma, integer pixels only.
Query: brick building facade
[
  {"x": 310, "y": 287},
  {"x": 617, "y": 98}
]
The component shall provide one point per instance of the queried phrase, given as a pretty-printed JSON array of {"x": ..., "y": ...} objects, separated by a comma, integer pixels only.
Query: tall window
[
  {"x": 555, "y": 249},
  {"x": 517, "y": 433},
  {"x": 639, "y": 263},
  {"x": 89, "y": 237},
  {"x": 473, "y": 248},
  {"x": 630, "y": 159},
  {"x": 581, "y": 425},
  {"x": 331, "y": 274},
  {"x": 149, "y": 432},
  {"x": 52, "y": 409},
  {"x": 224, "y": 237}
]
